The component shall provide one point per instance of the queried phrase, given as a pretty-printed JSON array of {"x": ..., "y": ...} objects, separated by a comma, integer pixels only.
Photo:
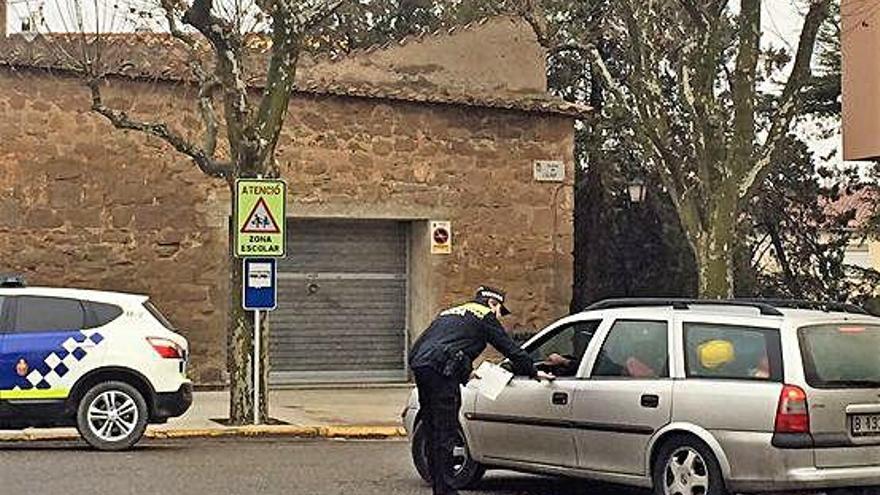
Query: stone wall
[{"x": 85, "y": 205}]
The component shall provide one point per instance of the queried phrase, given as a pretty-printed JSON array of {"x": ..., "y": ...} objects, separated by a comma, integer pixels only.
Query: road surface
[{"x": 246, "y": 466}]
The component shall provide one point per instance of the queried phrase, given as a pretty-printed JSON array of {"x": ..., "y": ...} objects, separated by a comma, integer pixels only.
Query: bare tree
[
  {"x": 240, "y": 124},
  {"x": 692, "y": 90}
]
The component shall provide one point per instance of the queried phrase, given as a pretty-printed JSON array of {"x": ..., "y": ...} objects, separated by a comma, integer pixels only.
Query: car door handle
[
  {"x": 651, "y": 401},
  {"x": 560, "y": 398}
]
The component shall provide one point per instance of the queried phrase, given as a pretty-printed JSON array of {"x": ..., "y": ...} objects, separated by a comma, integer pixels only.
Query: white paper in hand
[{"x": 492, "y": 380}]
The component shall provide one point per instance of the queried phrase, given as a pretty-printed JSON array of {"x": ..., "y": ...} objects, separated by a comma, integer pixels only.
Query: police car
[{"x": 105, "y": 362}]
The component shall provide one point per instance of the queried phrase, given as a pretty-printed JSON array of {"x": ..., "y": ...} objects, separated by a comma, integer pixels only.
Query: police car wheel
[
  {"x": 112, "y": 416},
  {"x": 465, "y": 471}
]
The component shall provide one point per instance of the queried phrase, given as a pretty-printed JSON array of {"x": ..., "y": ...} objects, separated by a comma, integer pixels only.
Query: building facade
[{"x": 377, "y": 146}]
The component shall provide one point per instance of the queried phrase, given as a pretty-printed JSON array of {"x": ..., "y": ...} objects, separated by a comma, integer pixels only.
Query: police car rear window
[
  {"x": 100, "y": 314},
  {"x": 158, "y": 315}
]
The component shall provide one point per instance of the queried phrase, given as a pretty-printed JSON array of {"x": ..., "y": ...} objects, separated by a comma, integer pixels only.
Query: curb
[{"x": 354, "y": 432}]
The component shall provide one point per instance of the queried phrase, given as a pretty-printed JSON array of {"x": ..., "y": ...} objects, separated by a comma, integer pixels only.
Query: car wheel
[
  {"x": 112, "y": 416},
  {"x": 419, "y": 450},
  {"x": 464, "y": 471},
  {"x": 686, "y": 466}
]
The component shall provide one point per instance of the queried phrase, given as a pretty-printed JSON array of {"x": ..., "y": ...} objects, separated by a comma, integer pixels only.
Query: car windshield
[{"x": 841, "y": 355}]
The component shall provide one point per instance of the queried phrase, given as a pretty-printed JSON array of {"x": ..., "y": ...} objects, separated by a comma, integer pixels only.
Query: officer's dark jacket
[{"x": 459, "y": 335}]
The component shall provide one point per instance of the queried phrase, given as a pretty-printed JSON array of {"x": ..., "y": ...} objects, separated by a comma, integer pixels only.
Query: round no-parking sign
[{"x": 441, "y": 237}]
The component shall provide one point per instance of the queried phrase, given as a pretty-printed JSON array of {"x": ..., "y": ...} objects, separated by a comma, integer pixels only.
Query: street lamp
[{"x": 637, "y": 190}]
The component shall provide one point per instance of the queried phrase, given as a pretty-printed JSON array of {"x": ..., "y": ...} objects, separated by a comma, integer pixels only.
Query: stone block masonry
[{"x": 86, "y": 205}]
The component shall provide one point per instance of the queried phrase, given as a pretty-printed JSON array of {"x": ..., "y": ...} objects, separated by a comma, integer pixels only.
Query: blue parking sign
[{"x": 260, "y": 284}]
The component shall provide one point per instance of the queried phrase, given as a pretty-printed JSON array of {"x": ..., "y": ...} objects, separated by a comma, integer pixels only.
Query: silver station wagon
[{"x": 687, "y": 398}]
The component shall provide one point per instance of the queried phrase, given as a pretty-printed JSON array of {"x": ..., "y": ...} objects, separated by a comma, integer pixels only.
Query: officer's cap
[{"x": 484, "y": 293}]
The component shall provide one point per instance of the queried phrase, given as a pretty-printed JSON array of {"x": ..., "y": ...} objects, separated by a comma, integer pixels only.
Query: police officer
[{"x": 442, "y": 358}]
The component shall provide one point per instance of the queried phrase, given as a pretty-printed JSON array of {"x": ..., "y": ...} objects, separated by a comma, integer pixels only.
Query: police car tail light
[{"x": 167, "y": 349}]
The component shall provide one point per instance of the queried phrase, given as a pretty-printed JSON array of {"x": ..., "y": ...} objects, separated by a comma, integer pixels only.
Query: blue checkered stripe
[{"x": 51, "y": 363}]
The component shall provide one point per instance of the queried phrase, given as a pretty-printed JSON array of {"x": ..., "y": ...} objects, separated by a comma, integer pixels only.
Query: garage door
[{"x": 341, "y": 313}]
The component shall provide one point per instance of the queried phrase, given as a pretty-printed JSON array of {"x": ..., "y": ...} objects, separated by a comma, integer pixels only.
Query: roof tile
[{"x": 163, "y": 57}]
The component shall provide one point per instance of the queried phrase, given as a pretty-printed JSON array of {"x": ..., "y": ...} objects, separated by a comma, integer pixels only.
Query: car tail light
[
  {"x": 792, "y": 415},
  {"x": 167, "y": 349}
]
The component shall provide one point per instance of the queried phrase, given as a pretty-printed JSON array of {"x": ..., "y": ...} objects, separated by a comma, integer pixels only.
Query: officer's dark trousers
[{"x": 439, "y": 402}]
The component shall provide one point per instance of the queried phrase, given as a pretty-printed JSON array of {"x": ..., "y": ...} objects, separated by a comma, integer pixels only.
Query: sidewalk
[{"x": 364, "y": 412}]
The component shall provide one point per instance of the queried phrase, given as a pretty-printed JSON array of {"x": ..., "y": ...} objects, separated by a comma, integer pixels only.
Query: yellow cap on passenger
[{"x": 715, "y": 353}]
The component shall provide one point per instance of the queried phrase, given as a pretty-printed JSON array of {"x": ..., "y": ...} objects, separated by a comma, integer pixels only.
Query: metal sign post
[
  {"x": 259, "y": 293},
  {"x": 257, "y": 335}
]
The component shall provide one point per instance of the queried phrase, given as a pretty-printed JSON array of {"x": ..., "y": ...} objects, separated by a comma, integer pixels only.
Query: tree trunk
[
  {"x": 714, "y": 248},
  {"x": 240, "y": 350},
  {"x": 715, "y": 268}
]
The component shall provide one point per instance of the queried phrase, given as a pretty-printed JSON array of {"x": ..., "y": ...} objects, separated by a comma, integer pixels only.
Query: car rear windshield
[
  {"x": 841, "y": 355},
  {"x": 158, "y": 315}
]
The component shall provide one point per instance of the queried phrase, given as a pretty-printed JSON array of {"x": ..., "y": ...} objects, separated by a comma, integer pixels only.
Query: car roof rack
[
  {"x": 12, "y": 280},
  {"x": 827, "y": 306},
  {"x": 763, "y": 307}
]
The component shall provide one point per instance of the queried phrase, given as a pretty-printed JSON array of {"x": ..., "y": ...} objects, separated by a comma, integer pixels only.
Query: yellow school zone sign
[{"x": 260, "y": 212}]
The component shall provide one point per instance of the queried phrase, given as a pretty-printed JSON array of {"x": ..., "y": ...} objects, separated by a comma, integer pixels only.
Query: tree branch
[
  {"x": 572, "y": 46},
  {"x": 533, "y": 13},
  {"x": 208, "y": 83},
  {"x": 209, "y": 115},
  {"x": 288, "y": 29},
  {"x": 743, "y": 87},
  {"x": 698, "y": 84},
  {"x": 121, "y": 120},
  {"x": 653, "y": 145},
  {"x": 789, "y": 102},
  {"x": 228, "y": 69},
  {"x": 310, "y": 20},
  {"x": 696, "y": 14}
]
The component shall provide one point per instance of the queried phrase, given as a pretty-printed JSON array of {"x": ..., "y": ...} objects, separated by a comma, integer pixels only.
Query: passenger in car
[
  {"x": 565, "y": 366},
  {"x": 636, "y": 368},
  {"x": 762, "y": 370},
  {"x": 568, "y": 365},
  {"x": 633, "y": 367}
]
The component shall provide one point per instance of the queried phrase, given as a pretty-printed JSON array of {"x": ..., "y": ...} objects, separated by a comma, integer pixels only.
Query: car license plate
[{"x": 865, "y": 424}]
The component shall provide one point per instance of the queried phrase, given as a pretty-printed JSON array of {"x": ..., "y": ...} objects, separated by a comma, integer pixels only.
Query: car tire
[
  {"x": 467, "y": 472},
  {"x": 419, "y": 451},
  {"x": 684, "y": 466},
  {"x": 112, "y": 416}
]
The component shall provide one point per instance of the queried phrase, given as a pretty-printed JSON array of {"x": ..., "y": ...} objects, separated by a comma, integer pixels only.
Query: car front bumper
[
  {"x": 173, "y": 404},
  {"x": 408, "y": 417}
]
